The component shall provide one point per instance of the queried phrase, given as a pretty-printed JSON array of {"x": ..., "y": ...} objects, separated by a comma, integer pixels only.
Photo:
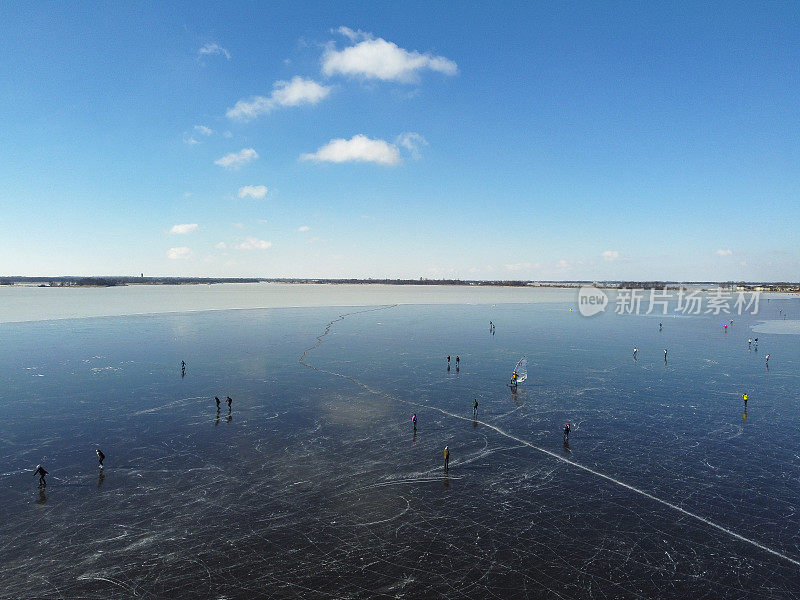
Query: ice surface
[{"x": 315, "y": 484}]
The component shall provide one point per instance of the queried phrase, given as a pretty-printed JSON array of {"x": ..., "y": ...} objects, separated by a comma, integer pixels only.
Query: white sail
[{"x": 521, "y": 369}]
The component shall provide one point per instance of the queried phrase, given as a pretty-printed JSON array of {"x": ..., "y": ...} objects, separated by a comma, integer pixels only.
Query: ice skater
[
  {"x": 635, "y": 350},
  {"x": 41, "y": 473},
  {"x": 665, "y": 355},
  {"x": 567, "y": 429},
  {"x": 216, "y": 399},
  {"x": 458, "y": 360},
  {"x": 767, "y": 358},
  {"x": 446, "y": 458},
  {"x": 448, "y": 360},
  {"x": 183, "y": 367},
  {"x": 229, "y": 403},
  {"x": 100, "y": 456},
  {"x": 749, "y": 343},
  {"x": 745, "y": 401},
  {"x": 475, "y": 408},
  {"x": 414, "y": 421},
  {"x": 660, "y": 325}
]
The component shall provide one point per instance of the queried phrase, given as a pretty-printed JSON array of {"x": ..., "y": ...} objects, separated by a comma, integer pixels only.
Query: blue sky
[{"x": 510, "y": 141}]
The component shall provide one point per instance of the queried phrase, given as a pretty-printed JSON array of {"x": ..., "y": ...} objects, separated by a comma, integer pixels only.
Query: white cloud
[
  {"x": 220, "y": 245},
  {"x": 238, "y": 225},
  {"x": 359, "y": 148},
  {"x": 379, "y": 59},
  {"x": 611, "y": 255},
  {"x": 411, "y": 141},
  {"x": 352, "y": 35},
  {"x": 227, "y": 135},
  {"x": 183, "y": 229},
  {"x": 563, "y": 264},
  {"x": 724, "y": 252},
  {"x": 234, "y": 160},
  {"x": 284, "y": 93},
  {"x": 253, "y": 191},
  {"x": 212, "y": 48},
  {"x": 298, "y": 91},
  {"x": 179, "y": 253},
  {"x": 203, "y": 130},
  {"x": 304, "y": 228},
  {"x": 187, "y": 195},
  {"x": 519, "y": 266},
  {"x": 190, "y": 140},
  {"x": 251, "y": 243}
]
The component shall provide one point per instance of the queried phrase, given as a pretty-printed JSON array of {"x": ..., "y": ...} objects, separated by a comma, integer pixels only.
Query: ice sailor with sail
[{"x": 520, "y": 373}]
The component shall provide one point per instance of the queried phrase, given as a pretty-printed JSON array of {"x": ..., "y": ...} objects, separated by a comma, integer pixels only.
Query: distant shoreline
[{"x": 113, "y": 281}]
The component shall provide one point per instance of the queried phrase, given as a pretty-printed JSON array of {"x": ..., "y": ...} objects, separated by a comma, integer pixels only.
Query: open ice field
[{"x": 315, "y": 485}]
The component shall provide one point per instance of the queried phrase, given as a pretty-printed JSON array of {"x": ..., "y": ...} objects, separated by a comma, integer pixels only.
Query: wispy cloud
[
  {"x": 183, "y": 229},
  {"x": 375, "y": 58},
  {"x": 359, "y": 148},
  {"x": 253, "y": 191},
  {"x": 724, "y": 252},
  {"x": 220, "y": 245},
  {"x": 284, "y": 93},
  {"x": 189, "y": 140},
  {"x": 251, "y": 243},
  {"x": 304, "y": 228},
  {"x": 352, "y": 35},
  {"x": 234, "y": 160},
  {"x": 203, "y": 130},
  {"x": 180, "y": 253},
  {"x": 411, "y": 141},
  {"x": 213, "y": 48},
  {"x": 611, "y": 255}
]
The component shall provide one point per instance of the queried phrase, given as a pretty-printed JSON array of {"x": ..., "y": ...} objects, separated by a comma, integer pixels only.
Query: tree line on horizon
[{"x": 111, "y": 281}]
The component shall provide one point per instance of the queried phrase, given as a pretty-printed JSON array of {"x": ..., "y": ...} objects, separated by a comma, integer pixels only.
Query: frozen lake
[{"x": 315, "y": 485}]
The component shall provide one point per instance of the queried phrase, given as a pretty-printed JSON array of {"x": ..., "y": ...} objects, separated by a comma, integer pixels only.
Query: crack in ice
[{"x": 627, "y": 486}]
